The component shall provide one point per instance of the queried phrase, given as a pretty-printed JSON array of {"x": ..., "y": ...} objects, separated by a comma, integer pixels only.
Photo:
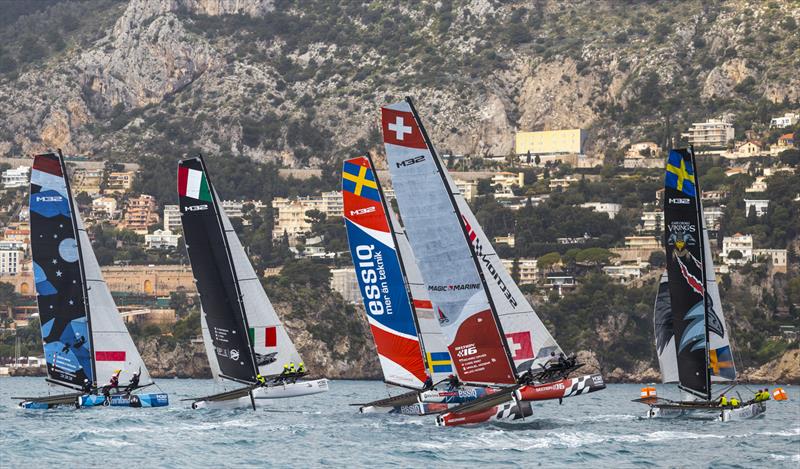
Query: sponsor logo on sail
[
  {"x": 466, "y": 350},
  {"x": 410, "y": 161},
  {"x": 459, "y": 287},
  {"x": 49, "y": 198},
  {"x": 373, "y": 276},
  {"x": 196, "y": 208},
  {"x": 234, "y": 354},
  {"x": 488, "y": 265},
  {"x": 679, "y": 200},
  {"x": 362, "y": 211}
]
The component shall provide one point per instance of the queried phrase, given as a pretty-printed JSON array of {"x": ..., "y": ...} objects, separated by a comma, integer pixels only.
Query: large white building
[
  {"x": 738, "y": 242},
  {"x": 714, "y": 133},
  {"x": 345, "y": 283},
  {"x": 11, "y": 261},
  {"x": 162, "y": 239},
  {"x": 528, "y": 270},
  {"x": 787, "y": 120},
  {"x": 652, "y": 221},
  {"x": 16, "y": 177},
  {"x": 290, "y": 214},
  {"x": 104, "y": 207},
  {"x": 712, "y": 217},
  {"x": 610, "y": 209}
]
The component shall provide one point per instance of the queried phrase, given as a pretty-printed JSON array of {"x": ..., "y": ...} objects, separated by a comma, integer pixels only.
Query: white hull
[
  {"x": 723, "y": 415},
  {"x": 261, "y": 395}
]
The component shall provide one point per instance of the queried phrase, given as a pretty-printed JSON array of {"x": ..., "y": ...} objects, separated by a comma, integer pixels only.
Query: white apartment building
[
  {"x": 507, "y": 180},
  {"x": 787, "y": 120},
  {"x": 104, "y": 207},
  {"x": 508, "y": 240},
  {"x": 610, "y": 209},
  {"x": 715, "y": 133},
  {"x": 652, "y": 221},
  {"x": 172, "y": 218},
  {"x": 711, "y": 217},
  {"x": 738, "y": 242},
  {"x": 162, "y": 239},
  {"x": 11, "y": 261},
  {"x": 235, "y": 208},
  {"x": 528, "y": 271},
  {"x": 624, "y": 273},
  {"x": 760, "y": 206},
  {"x": 290, "y": 214},
  {"x": 345, "y": 283},
  {"x": 332, "y": 204},
  {"x": 468, "y": 189},
  {"x": 16, "y": 177}
]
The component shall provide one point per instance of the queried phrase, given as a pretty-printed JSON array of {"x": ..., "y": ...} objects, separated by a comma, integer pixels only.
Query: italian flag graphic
[
  {"x": 263, "y": 336},
  {"x": 193, "y": 183}
]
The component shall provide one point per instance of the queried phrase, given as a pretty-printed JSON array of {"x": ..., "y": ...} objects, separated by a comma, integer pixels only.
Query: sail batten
[{"x": 444, "y": 255}]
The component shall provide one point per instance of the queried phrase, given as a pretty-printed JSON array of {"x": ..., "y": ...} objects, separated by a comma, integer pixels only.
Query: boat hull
[
  {"x": 433, "y": 401},
  {"x": 726, "y": 414},
  {"x": 263, "y": 394},
  {"x": 507, "y": 412},
  {"x": 568, "y": 387},
  {"x": 95, "y": 400}
]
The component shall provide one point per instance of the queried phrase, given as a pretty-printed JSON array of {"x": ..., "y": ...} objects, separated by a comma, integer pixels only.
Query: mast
[
  {"x": 84, "y": 286},
  {"x": 703, "y": 260},
  {"x": 386, "y": 209},
  {"x": 464, "y": 231}
]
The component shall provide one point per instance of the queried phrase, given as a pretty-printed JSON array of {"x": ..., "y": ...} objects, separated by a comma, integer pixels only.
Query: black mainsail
[
  {"x": 214, "y": 273},
  {"x": 685, "y": 249}
]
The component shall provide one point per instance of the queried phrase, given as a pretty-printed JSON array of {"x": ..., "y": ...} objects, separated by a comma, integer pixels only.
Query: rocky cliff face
[
  {"x": 300, "y": 83},
  {"x": 784, "y": 369}
]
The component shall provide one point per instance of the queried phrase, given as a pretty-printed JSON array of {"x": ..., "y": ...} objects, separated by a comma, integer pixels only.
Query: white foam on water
[
  {"x": 111, "y": 443},
  {"x": 781, "y": 457}
]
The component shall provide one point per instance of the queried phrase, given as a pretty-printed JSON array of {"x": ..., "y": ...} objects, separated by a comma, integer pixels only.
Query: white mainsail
[
  {"x": 717, "y": 343},
  {"x": 267, "y": 333},
  {"x": 664, "y": 333},
  {"x": 113, "y": 346}
]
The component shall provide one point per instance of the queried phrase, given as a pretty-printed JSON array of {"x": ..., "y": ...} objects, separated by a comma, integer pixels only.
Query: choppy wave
[{"x": 602, "y": 429}]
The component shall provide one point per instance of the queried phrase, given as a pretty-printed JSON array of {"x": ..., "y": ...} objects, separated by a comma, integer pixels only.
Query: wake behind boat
[
  {"x": 692, "y": 337},
  {"x": 244, "y": 339},
  {"x": 86, "y": 344}
]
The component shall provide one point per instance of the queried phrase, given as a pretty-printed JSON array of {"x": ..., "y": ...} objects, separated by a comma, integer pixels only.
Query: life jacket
[
  {"x": 735, "y": 402},
  {"x": 723, "y": 401}
]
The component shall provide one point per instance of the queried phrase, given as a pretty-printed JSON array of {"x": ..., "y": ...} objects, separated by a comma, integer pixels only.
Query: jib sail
[
  {"x": 212, "y": 265},
  {"x": 665, "y": 334},
  {"x": 439, "y": 239},
  {"x": 380, "y": 276}
]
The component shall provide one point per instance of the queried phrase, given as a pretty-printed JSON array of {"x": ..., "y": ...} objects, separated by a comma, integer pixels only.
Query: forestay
[{"x": 439, "y": 240}]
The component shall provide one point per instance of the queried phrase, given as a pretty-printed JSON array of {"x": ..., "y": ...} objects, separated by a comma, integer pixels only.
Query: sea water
[{"x": 602, "y": 429}]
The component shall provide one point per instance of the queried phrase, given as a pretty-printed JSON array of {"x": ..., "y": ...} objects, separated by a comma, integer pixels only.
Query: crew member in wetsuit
[
  {"x": 113, "y": 383},
  {"x": 453, "y": 382},
  {"x": 428, "y": 384},
  {"x": 301, "y": 368},
  {"x": 133, "y": 384},
  {"x": 87, "y": 386},
  {"x": 261, "y": 380}
]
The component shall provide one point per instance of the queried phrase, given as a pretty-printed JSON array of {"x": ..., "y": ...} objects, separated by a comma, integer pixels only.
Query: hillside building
[
  {"x": 787, "y": 120},
  {"x": 760, "y": 206},
  {"x": 16, "y": 177},
  {"x": 345, "y": 283},
  {"x": 551, "y": 142},
  {"x": 87, "y": 180},
  {"x": 120, "y": 182},
  {"x": 738, "y": 242},
  {"x": 610, "y": 209},
  {"x": 161, "y": 239},
  {"x": 104, "y": 208},
  {"x": 172, "y": 218},
  {"x": 140, "y": 214},
  {"x": 528, "y": 270},
  {"x": 714, "y": 133},
  {"x": 11, "y": 261}
]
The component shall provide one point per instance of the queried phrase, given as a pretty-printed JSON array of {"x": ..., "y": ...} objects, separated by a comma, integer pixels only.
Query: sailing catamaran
[
  {"x": 494, "y": 336},
  {"x": 85, "y": 339},
  {"x": 244, "y": 339},
  {"x": 407, "y": 335},
  {"x": 692, "y": 338}
]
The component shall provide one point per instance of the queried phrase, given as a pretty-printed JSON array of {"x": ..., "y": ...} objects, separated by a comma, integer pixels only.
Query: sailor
[
  {"x": 453, "y": 382},
  {"x": 552, "y": 361},
  {"x": 285, "y": 369},
  {"x": 723, "y": 401},
  {"x": 428, "y": 384},
  {"x": 562, "y": 361},
  {"x": 114, "y": 381},
  {"x": 133, "y": 384},
  {"x": 301, "y": 368},
  {"x": 765, "y": 395},
  {"x": 87, "y": 386},
  {"x": 291, "y": 367},
  {"x": 261, "y": 380},
  {"x": 734, "y": 402}
]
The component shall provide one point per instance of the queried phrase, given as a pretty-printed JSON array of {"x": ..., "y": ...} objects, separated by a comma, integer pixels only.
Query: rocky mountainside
[{"x": 300, "y": 82}]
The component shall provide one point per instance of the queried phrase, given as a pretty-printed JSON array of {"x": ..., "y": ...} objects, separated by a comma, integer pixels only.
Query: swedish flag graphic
[
  {"x": 359, "y": 180},
  {"x": 720, "y": 362},
  {"x": 440, "y": 362},
  {"x": 680, "y": 173}
]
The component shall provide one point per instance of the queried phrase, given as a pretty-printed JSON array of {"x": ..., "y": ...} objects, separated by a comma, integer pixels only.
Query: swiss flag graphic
[
  {"x": 399, "y": 128},
  {"x": 520, "y": 345}
]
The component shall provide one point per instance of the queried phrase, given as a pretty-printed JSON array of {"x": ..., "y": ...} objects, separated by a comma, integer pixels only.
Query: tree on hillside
[
  {"x": 548, "y": 260},
  {"x": 594, "y": 256}
]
